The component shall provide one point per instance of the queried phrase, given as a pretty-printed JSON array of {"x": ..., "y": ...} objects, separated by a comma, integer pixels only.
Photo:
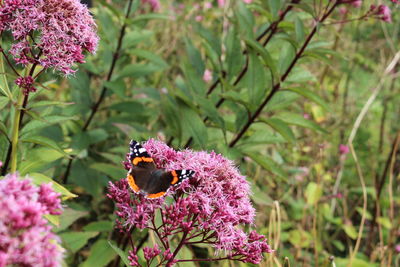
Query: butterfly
[{"x": 144, "y": 177}]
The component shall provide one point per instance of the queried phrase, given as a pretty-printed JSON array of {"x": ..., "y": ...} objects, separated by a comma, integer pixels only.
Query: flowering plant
[
  {"x": 25, "y": 237},
  {"x": 45, "y": 34},
  {"x": 208, "y": 208}
]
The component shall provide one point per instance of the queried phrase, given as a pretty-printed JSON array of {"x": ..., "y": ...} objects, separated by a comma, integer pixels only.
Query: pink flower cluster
[
  {"x": 52, "y": 33},
  {"x": 382, "y": 12},
  {"x": 26, "y": 83},
  {"x": 25, "y": 237},
  {"x": 209, "y": 207}
]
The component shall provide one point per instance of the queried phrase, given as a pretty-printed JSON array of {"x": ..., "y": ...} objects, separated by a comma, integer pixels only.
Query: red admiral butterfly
[{"x": 144, "y": 177}]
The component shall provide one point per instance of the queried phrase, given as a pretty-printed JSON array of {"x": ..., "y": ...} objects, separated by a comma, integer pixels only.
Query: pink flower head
[
  {"x": 397, "y": 248},
  {"x": 133, "y": 258},
  {"x": 207, "y": 76},
  {"x": 215, "y": 201},
  {"x": 25, "y": 237},
  {"x": 343, "y": 149},
  {"x": 221, "y": 3},
  {"x": 247, "y": 1},
  {"x": 198, "y": 18},
  {"x": 150, "y": 253},
  {"x": 26, "y": 83},
  {"x": 395, "y": 1},
  {"x": 384, "y": 13},
  {"x": 64, "y": 29}
]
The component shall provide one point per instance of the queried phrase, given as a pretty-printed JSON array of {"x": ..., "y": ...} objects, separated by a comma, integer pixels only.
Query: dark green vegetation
[{"x": 285, "y": 93}]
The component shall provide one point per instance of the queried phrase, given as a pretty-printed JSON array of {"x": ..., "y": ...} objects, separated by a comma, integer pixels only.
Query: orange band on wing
[
  {"x": 147, "y": 159},
  {"x": 175, "y": 177},
  {"x": 136, "y": 160},
  {"x": 132, "y": 184},
  {"x": 156, "y": 195}
]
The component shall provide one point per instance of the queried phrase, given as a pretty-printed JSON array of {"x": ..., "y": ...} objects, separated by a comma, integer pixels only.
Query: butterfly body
[{"x": 144, "y": 177}]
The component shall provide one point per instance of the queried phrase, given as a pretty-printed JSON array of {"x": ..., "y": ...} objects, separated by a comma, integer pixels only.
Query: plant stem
[{"x": 15, "y": 130}]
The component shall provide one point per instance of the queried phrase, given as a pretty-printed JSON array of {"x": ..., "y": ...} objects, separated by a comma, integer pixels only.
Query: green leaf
[
  {"x": 281, "y": 100},
  {"x": 299, "y": 120},
  {"x": 99, "y": 226},
  {"x": 38, "y": 158},
  {"x": 138, "y": 70},
  {"x": 340, "y": 262},
  {"x": 211, "y": 111},
  {"x": 80, "y": 91},
  {"x": 268, "y": 61},
  {"x": 274, "y": 6},
  {"x": 74, "y": 241},
  {"x": 300, "y": 238},
  {"x": 245, "y": 19},
  {"x": 194, "y": 125},
  {"x": 255, "y": 81},
  {"x": 149, "y": 56},
  {"x": 114, "y": 10},
  {"x": 150, "y": 16},
  {"x": 110, "y": 170},
  {"x": 210, "y": 38},
  {"x": 54, "y": 219},
  {"x": 3, "y": 129},
  {"x": 194, "y": 55},
  {"x": 313, "y": 193},
  {"x": 3, "y": 101},
  {"x": 135, "y": 37},
  {"x": 119, "y": 252},
  {"x": 100, "y": 254},
  {"x": 44, "y": 141},
  {"x": 234, "y": 55},
  {"x": 46, "y": 103},
  {"x": 39, "y": 179},
  {"x": 299, "y": 28},
  {"x": 281, "y": 127},
  {"x": 311, "y": 96},
  {"x": 267, "y": 163},
  {"x": 68, "y": 217},
  {"x": 169, "y": 109},
  {"x": 350, "y": 230},
  {"x": 49, "y": 120},
  {"x": 385, "y": 222},
  {"x": 286, "y": 57}
]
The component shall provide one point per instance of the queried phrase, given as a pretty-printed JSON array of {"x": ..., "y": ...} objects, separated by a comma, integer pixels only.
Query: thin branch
[
  {"x": 272, "y": 29},
  {"x": 277, "y": 86}
]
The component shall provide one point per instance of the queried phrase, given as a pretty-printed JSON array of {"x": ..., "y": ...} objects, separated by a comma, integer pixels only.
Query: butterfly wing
[
  {"x": 139, "y": 157},
  {"x": 161, "y": 181},
  {"x": 142, "y": 166}
]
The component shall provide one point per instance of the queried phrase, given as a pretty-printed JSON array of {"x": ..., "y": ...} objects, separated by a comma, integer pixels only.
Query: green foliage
[{"x": 279, "y": 111}]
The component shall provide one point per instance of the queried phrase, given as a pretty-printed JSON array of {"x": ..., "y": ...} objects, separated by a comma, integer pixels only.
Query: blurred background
[{"x": 322, "y": 154}]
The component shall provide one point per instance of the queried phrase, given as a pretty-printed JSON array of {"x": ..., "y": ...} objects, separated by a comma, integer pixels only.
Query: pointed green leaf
[
  {"x": 44, "y": 141},
  {"x": 299, "y": 120},
  {"x": 39, "y": 179},
  {"x": 119, "y": 252},
  {"x": 100, "y": 254},
  {"x": 74, "y": 241},
  {"x": 311, "y": 96},
  {"x": 281, "y": 127}
]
